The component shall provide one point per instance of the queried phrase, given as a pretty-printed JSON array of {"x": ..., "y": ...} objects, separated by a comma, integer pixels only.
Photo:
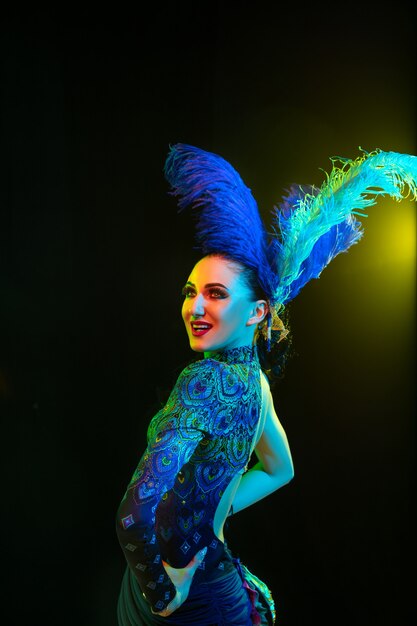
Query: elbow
[
  {"x": 290, "y": 470},
  {"x": 288, "y": 474},
  {"x": 283, "y": 476}
]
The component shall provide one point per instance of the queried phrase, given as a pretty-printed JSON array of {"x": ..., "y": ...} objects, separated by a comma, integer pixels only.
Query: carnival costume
[
  {"x": 197, "y": 443},
  {"x": 204, "y": 435}
]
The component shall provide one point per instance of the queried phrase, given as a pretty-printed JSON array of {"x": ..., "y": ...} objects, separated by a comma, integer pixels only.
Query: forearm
[{"x": 256, "y": 484}]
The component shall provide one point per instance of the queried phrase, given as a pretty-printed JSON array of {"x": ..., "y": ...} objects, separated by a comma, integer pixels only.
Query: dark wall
[{"x": 93, "y": 257}]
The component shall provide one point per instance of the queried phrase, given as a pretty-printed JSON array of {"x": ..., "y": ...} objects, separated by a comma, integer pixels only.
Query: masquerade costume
[
  {"x": 197, "y": 443},
  {"x": 204, "y": 435}
]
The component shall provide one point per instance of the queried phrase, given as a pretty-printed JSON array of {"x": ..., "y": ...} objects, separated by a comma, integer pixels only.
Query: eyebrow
[{"x": 208, "y": 285}]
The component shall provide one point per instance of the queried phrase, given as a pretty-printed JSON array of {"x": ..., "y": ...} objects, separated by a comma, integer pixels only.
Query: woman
[
  {"x": 199, "y": 445},
  {"x": 194, "y": 471}
]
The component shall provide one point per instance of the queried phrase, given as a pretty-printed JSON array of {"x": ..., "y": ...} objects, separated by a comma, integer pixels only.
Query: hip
[{"x": 226, "y": 596}]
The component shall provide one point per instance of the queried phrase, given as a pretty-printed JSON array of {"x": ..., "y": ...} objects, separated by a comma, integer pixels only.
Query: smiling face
[{"x": 219, "y": 309}]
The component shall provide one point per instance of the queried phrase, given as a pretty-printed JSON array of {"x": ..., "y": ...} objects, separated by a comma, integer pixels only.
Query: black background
[{"x": 93, "y": 258}]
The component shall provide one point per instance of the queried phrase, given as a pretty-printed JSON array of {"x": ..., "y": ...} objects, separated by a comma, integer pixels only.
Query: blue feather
[
  {"x": 338, "y": 239},
  {"x": 309, "y": 227},
  {"x": 227, "y": 215},
  {"x": 313, "y": 225}
]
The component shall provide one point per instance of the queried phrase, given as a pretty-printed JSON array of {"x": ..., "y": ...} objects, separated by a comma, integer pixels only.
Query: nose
[{"x": 197, "y": 306}]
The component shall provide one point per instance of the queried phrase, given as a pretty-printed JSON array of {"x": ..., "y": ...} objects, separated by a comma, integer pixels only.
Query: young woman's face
[{"x": 218, "y": 306}]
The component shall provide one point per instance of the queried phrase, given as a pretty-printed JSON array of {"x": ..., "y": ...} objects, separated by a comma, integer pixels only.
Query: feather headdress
[
  {"x": 228, "y": 218},
  {"x": 310, "y": 226}
]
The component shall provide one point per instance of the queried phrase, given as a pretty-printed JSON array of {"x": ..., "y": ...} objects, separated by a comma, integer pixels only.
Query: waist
[
  {"x": 213, "y": 570},
  {"x": 215, "y": 597}
]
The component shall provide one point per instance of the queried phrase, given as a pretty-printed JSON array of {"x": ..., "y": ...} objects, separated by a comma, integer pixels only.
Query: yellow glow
[{"x": 395, "y": 230}]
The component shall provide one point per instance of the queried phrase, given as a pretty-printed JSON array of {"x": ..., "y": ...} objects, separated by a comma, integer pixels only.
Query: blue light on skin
[{"x": 219, "y": 311}]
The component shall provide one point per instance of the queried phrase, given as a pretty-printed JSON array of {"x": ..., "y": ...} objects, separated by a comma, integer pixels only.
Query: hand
[{"x": 182, "y": 578}]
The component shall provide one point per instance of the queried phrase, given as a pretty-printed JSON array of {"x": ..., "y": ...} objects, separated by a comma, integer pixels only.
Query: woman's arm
[{"x": 274, "y": 468}]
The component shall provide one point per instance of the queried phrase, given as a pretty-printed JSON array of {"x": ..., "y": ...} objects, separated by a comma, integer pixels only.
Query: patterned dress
[{"x": 196, "y": 444}]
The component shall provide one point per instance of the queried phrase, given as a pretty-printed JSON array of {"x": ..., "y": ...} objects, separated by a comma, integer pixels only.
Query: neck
[{"x": 240, "y": 354}]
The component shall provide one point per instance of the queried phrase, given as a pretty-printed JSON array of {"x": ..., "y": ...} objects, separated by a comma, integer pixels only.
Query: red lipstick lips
[{"x": 199, "y": 329}]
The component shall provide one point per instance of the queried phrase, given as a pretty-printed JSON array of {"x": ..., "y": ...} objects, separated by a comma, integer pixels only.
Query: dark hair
[{"x": 272, "y": 361}]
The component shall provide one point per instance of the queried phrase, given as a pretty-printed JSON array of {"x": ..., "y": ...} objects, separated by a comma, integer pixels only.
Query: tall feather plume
[
  {"x": 312, "y": 226},
  {"x": 227, "y": 216}
]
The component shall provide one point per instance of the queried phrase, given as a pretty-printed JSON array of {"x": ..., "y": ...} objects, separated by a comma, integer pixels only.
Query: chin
[
  {"x": 197, "y": 346},
  {"x": 198, "y": 349}
]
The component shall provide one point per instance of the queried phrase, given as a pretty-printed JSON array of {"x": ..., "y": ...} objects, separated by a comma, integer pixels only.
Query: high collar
[{"x": 244, "y": 354}]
